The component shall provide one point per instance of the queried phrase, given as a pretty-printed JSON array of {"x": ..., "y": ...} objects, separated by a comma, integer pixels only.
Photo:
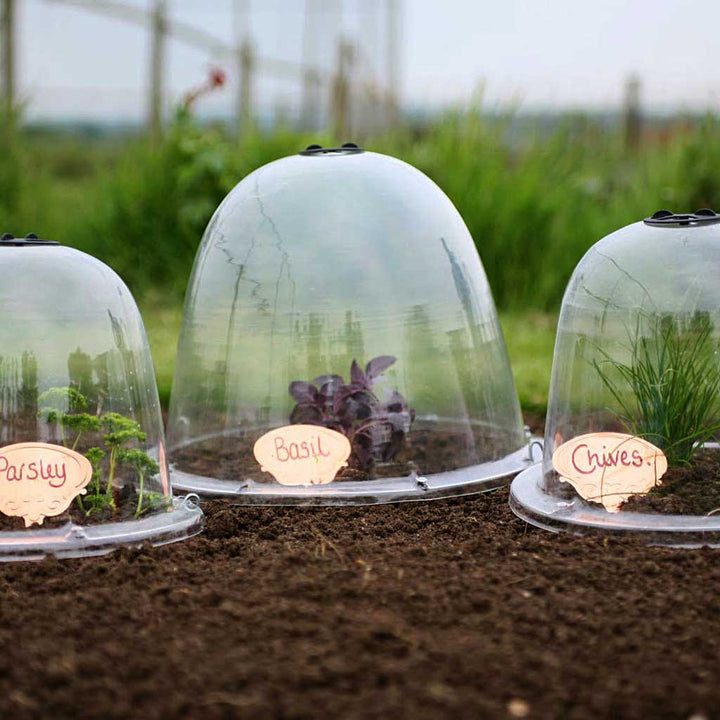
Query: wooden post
[
  {"x": 392, "y": 31},
  {"x": 310, "y": 99},
  {"x": 370, "y": 109},
  {"x": 244, "y": 96},
  {"x": 9, "y": 150},
  {"x": 8, "y": 55},
  {"x": 157, "y": 60},
  {"x": 340, "y": 102},
  {"x": 310, "y": 82},
  {"x": 244, "y": 60},
  {"x": 633, "y": 119}
]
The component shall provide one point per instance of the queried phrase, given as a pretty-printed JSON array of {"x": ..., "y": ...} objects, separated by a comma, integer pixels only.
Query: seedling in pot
[
  {"x": 120, "y": 431},
  {"x": 75, "y": 420},
  {"x": 97, "y": 499},
  {"x": 376, "y": 429},
  {"x": 62, "y": 409},
  {"x": 674, "y": 385},
  {"x": 143, "y": 465}
]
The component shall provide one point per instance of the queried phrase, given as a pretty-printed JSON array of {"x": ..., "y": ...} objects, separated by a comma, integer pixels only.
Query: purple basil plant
[{"x": 376, "y": 429}]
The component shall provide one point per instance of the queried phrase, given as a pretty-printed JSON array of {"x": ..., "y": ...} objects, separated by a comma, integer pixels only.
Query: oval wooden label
[
  {"x": 302, "y": 454},
  {"x": 609, "y": 467},
  {"x": 39, "y": 480}
]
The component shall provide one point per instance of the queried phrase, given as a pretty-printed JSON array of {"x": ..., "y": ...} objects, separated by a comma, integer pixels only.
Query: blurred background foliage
[{"x": 533, "y": 200}]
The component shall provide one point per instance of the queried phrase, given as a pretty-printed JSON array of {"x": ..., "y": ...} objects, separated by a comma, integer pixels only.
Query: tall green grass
[
  {"x": 150, "y": 211},
  {"x": 530, "y": 338},
  {"x": 668, "y": 391},
  {"x": 533, "y": 202}
]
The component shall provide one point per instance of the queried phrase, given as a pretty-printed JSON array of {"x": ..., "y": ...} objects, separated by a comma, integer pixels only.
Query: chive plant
[{"x": 673, "y": 381}]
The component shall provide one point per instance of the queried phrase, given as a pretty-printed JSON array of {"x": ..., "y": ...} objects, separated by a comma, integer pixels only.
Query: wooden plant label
[
  {"x": 609, "y": 467},
  {"x": 39, "y": 480},
  {"x": 302, "y": 454}
]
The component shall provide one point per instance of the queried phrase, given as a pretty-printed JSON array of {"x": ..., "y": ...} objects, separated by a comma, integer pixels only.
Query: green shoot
[
  {"x": 154, "y": 501},
  {"x": 79, "y": 424},
  {"x": 143, "y": 464},
  {"x": 674, "y": 386},
  {"x": 96, "y": 503},
  {"x": 120, "y": 430},
  {"x": 95, "y": 455},
  {"x": 56, "y": 402},
  {"x": 64, "y": 408},
  {"x": 64, "y": 398}
]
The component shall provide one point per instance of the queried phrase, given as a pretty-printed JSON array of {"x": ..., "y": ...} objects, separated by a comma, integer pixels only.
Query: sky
[{"x": 530, "y": 54}]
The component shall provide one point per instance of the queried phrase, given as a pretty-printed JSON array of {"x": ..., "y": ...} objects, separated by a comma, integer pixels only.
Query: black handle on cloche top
[
  {"x": 348, "y": 148},
  {"x": 8, "y": 240},
  {"x": 705, "y": 216}
]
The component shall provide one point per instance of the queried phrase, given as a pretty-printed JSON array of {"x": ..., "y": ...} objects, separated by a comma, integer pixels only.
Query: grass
[
  {"x": 162, "y": 324},
  {"x": 667, "y": 393},
  {"x": 530, "y": 340},
  {"x": 529, "y": 337},
  {"x": 534, "y": 200}
]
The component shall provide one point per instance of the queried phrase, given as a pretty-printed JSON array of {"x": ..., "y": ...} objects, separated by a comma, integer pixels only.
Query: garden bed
[
  {"x": 684, "y": 490},
  {"x": 453, "y": 608},
  {"x": 432, "y": 447}
]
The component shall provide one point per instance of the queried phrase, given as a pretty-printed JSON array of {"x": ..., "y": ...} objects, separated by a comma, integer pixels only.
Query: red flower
[{"x": 217, "y": 77}]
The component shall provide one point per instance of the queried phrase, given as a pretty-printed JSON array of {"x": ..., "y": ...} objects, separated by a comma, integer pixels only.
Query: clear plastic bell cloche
[
  {"x": 340, "y": 343},
  {"x": 82, "y": 454},
  {"x": 631, "y": 439}
]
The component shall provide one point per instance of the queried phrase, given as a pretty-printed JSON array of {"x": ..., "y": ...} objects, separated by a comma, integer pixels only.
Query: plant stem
[
  {"x": 111, "y": 475},
  {"x": 140, "y": 499}
]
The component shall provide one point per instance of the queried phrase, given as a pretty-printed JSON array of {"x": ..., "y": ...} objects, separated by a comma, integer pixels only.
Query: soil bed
[
  {"x": 452, "y": 608},
  {"x": 426, "y": 450},
  {"x": 692, "y": 490}
]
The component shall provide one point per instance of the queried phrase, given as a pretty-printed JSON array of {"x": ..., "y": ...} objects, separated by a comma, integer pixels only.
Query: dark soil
[
  {"x": 426, "y": 450},
  {"x": 447, "y": 609},
  {"x": 684, "y": 490}
]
